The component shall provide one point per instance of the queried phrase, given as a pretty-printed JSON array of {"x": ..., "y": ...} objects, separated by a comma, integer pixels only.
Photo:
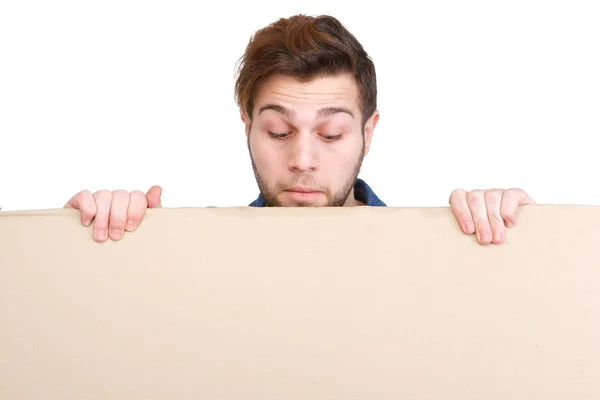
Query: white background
[{"x": 128, "y": 94}]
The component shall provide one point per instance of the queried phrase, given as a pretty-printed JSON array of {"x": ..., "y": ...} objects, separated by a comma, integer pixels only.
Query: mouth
[
  {"x": 303, "y": 195},
  {"x": 302, "y": 190}
]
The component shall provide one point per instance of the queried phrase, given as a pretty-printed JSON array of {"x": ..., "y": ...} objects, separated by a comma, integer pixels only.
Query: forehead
[{"x": 335, "y": 91}]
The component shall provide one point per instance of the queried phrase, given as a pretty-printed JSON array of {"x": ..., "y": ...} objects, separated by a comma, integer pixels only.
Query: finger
[
  {"x": 512, "y": 199},
  {"x": 460, "y": 209},
  {"x": 118, "y": 214},
  {"x": 476, "y": 202},
  {"x": 103, "y": 199},
  {"x": 137, "y": 207},
  {"x": 493, "y": 200},
  {"x": 153, "y": 197},
  {"x": 84, "y": 201}
]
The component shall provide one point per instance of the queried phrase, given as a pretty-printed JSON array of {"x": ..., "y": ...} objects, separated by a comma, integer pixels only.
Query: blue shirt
[{"x": 362, "y": 193}]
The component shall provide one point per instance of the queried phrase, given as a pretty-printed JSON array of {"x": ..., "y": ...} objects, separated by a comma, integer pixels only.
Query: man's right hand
[{"x": 113, "y": 213}]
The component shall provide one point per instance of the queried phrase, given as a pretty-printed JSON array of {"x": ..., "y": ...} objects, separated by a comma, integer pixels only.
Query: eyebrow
[{"x": 291, "y": 114}]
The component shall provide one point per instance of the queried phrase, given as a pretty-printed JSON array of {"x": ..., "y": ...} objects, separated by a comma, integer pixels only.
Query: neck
[{"x": 351, "y": 201}]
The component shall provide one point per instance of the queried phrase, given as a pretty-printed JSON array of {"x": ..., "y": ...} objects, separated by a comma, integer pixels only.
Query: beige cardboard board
[{"x": 347, "y": 303}]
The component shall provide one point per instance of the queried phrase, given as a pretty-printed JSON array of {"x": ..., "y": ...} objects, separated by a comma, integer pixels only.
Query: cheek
[
  {"x": 346, "y": 153},
  {"x": 265, "y": 154}
]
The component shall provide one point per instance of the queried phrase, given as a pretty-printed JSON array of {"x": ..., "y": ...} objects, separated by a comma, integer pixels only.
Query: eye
[
  {"x": 279, "y": 136},
  {"x": 331, "y": 138}
]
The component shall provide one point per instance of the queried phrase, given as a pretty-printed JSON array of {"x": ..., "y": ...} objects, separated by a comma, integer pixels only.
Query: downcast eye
[
  {"x": 331, "y": 138},
  {"x": 278, "y": 135}
]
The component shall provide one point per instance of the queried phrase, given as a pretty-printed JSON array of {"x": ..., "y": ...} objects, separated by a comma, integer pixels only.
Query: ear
[
  {"x": 369, "y": 128},
  {"x": 247, "y": 123}
]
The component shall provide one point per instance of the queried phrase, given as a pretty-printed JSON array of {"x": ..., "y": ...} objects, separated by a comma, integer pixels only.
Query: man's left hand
[{"x": 487, "y": 213}]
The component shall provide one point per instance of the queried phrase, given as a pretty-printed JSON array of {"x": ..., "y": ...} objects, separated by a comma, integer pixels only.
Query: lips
[
  {"x": 303, "y": 195},
  {"x": 303, "y": 190}
]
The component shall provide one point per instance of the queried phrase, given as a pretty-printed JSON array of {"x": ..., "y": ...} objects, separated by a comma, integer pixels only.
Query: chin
[
  {"x": 296, "y": 203},
  {"x": 296, "y": 199},
  {"x": 308, "y": 204},
  {"x": 283, "y": 200}
]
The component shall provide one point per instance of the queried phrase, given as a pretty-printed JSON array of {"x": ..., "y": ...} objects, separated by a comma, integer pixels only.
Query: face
[{"x": 306, "y": 141}]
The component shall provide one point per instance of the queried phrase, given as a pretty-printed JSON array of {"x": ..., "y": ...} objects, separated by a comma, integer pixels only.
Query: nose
[{"x": 303, "y": 153}]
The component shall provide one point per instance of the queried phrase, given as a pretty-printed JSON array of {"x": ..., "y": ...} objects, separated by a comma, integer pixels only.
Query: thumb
[{"x": 153, "y": 197}]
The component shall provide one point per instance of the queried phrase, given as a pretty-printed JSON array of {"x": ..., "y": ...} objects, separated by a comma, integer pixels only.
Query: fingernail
[
  {"x": 468, "y": 226},
  {"x": 484, "y": 236},
  {"x": 498, "y": 237},
  {"x": 100, "y": 235},
  {"x": 130, "y": 225},
  {"x": 87, "y": 222},
  {"x": 115, "y": 234}
]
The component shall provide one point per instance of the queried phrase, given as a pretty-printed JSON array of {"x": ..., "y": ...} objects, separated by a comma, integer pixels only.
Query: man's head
[{"x": 307, "y": 94}]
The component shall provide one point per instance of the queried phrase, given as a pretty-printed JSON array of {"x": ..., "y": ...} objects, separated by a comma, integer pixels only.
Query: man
[{"x": 307, "y": 95}]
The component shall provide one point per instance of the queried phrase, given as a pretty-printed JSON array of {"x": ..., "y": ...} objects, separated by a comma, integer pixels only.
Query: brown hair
[{"x": 304, "y": 47}]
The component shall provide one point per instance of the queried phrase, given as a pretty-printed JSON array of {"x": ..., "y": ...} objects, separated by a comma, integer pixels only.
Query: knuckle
[
  {"x": 493, "y": 196},
  {"x": 464, "y": 216},
  {"x": 474, "y": 195},
  {"x": 457, "y": 193},
  {"x": 101, "y": 222},
  {"x": 120, "y": 193},
  {"x": 86, "y": 203},
  {"x": 118, "y": 221},
  {"x": 138, "y": 193},
  {"x": 496, "y": 220},
  {"x": 482, "y": 222},
  {"x": 102, "y": 193},
  {"x": 515, "y": 192},
  {"x": 138, "y": 202}
]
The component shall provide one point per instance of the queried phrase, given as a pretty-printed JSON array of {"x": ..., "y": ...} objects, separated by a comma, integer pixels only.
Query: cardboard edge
[{"x": 432, "y": 210}]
